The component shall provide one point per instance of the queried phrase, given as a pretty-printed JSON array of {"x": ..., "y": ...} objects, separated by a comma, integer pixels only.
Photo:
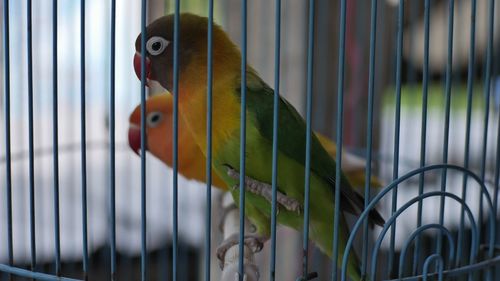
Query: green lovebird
[{"x": 192, "y": 92}]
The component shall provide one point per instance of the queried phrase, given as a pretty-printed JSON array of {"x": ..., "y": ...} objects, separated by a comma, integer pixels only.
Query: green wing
[{"x": 292, "y": 141}]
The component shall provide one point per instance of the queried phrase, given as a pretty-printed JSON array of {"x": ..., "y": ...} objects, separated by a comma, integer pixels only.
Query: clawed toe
[{"x": 254, "y": 242}]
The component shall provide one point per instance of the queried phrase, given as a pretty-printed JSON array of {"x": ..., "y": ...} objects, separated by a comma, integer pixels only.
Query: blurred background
[{"x": 293, "y": 86}]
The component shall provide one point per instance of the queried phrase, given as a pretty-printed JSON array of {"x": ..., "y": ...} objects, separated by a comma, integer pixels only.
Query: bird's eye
[
  {"x": 156, "y": 45},
  {"x": 153, "y": 119}
]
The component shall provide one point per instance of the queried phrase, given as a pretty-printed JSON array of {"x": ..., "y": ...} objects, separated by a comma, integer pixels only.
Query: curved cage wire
[{"x": 408, "y": 91}]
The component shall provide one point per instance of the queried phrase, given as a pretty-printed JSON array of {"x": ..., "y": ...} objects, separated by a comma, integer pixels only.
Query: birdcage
[{"x": 408, "y": 91}]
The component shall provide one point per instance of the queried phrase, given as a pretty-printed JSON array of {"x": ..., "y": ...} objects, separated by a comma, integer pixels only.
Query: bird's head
[
  {"x": 158, "y": 127},
  {"x": 192, "y": 51}
]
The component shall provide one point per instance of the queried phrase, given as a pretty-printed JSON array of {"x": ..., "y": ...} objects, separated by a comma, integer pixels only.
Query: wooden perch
[{"x": 230, "y": 229}]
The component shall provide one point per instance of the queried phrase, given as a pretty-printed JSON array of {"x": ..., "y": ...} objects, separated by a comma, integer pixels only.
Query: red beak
[
  {"x": 137, "y": 67},
  {"x": 134, "y": 138}
]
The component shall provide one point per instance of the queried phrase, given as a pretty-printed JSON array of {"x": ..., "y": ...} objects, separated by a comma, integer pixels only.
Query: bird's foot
[
  {"x": 253, "y": 241},
  {"x": 266, "y": 190}
]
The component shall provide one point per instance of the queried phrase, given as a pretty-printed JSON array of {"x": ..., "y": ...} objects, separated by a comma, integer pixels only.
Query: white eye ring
[
  {"x": 156, "y": 45},
  {"x": 154, "y": 119}
]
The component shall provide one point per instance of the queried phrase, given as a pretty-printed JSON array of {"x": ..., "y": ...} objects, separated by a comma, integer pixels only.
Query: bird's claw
[
  {"x": 289, "y": 203},
  {"x": 252, "y": 241},
  {"x": 266, "y": 190}
]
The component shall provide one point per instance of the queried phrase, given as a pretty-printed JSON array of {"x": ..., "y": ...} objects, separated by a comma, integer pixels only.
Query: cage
[{"x": 408, "y": 90}]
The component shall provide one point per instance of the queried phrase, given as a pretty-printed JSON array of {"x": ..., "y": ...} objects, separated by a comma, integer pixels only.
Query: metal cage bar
[
  {"x": 340, "y": 117},
  {"x": 497, "y": 176},
  {"x": 112, "y": 140},
  {"x": 55, "y": 141},
  {"x": 397, "y": 128},
  {"x": 470, "y": 83},
  {"x": 446, "y": 133},
  {"x": 487, "y": 94},
  {"x": 428, "y": 262},
  {"x": 31, "y": 155},
  {"x": 451, "y": 243},
  {"x": 83, "y": 139},
  {"x": 243, "y": 133},
  {"x": 369, "y": 135},
  {"x": 276, "y": 100},
  {"x": 307, "y": 187},
  {"x": 423, "y": 136},
  {"x": 208, "y": 215},
  {"x": 175, "y": 140},
  {"x": 144, "y": 256},
  {"x": 8, "y": 161},
  {"x": 34, "y": 275}
]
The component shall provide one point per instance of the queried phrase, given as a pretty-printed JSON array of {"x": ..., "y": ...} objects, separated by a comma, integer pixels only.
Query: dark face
[
  {"x": 159, "y": 51},
  {"x": 160, "y": 47}
]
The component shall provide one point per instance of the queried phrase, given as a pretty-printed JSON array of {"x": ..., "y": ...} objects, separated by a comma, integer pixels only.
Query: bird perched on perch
[
  {"x": 226, "y": 141},
  {"x": 192, "y": 162}
]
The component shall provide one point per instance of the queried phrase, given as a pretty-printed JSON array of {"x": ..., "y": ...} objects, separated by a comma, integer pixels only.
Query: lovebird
[
  {"x": 159, "y": 122},
  {"x": 192, "y": 162},
  {"x": 192, "y": 95}
]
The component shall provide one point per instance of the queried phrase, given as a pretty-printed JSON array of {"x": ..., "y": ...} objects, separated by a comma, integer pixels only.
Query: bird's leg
[{"x": 266, "y": 190}]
